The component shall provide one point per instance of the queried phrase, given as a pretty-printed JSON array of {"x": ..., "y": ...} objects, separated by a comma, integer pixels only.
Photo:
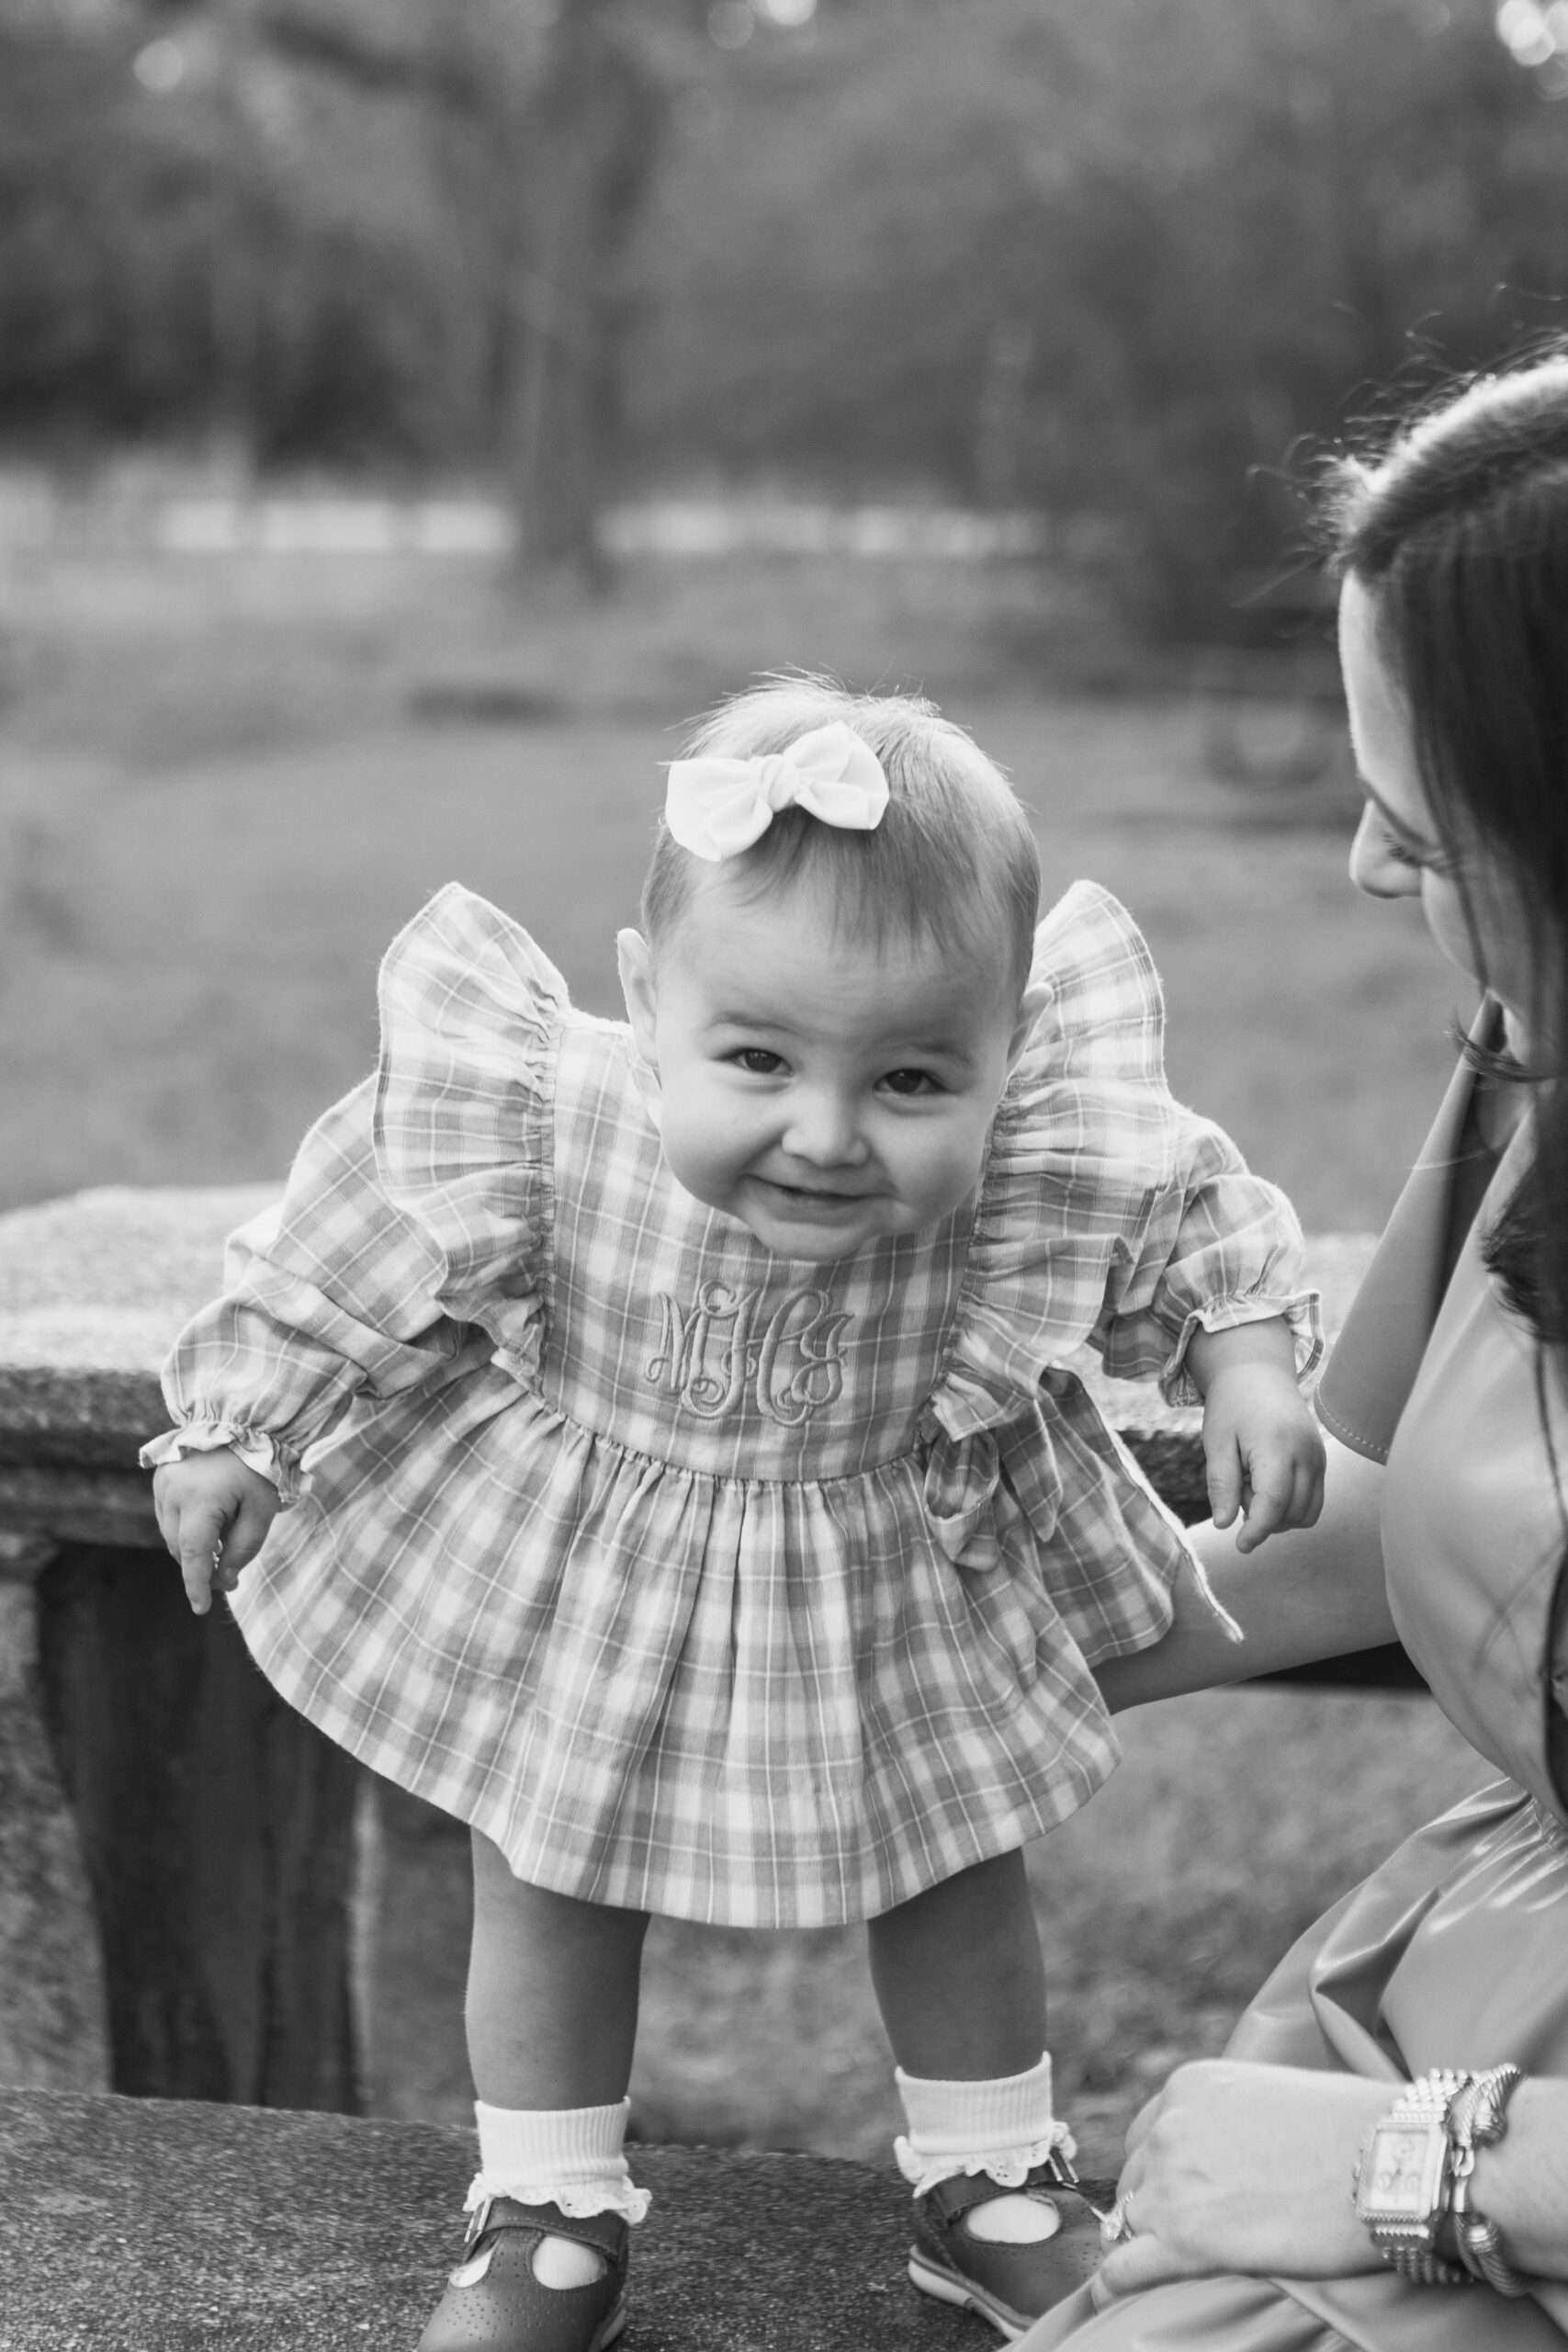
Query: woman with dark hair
[{"x": 1381, "y": 2160}]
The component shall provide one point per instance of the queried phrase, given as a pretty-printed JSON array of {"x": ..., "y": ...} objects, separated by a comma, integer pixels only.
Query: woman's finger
[
  {"x": 1139, "y": 2261},
  {"x": 1140, "y": 2127}
]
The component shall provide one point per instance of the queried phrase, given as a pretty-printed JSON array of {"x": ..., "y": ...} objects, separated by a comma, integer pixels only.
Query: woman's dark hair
[{"x": 1459, "y": 532}]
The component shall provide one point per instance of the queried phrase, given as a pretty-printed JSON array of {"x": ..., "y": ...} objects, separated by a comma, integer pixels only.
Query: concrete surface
[
  {"x": 147, "y": 2225},
  {"x": 92, "y": 1291}
]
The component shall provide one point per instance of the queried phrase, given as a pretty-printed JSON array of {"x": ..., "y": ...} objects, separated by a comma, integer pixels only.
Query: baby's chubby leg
[
  {"x": 552, "y": 2016},
  {"x": 959, "y": 1977},
  {"x": 962, "y": 1987},
  {"x": 552, "y": 2001}
]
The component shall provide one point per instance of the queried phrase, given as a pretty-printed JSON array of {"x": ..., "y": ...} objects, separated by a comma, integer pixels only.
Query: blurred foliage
[{"x": 1118, "y": 258}]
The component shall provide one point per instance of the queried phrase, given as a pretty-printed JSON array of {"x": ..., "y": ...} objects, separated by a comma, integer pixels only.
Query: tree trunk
[{"x": 588, "y": 138}]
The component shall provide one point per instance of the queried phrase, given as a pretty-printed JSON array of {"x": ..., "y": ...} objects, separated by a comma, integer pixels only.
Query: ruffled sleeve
[
  {"x": 1107, "y": 1215},
  {"x": 1223, "y": 1248},
  {"x": 328, "y": 1296},
  {"x": 416, "y": 1207},
  {"x": 471, "y": 1014},
  {"x": 1085, "y": 1144}
]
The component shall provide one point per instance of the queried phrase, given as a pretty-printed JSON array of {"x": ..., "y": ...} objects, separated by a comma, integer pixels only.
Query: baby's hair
[{"x": 953, "y": 860}]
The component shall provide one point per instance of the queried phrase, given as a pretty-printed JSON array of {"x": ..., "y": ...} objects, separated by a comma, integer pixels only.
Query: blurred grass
[
  {"x": 217, "y": 802},
  {"x": 216, "y": 806}
]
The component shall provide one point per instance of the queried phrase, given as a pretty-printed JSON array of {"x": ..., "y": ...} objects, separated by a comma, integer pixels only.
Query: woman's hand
[
  {"x": 213, "y": 1514},
  {"x": 1244, "y": 2169}
]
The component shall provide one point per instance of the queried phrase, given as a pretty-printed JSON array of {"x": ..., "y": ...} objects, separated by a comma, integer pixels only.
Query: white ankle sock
[
  {"x": 1000, "y": 2127},
  {"x": 569, "y": 2157}
]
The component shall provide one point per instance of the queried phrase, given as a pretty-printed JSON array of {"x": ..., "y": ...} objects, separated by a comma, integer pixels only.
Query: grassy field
[
  {"x": 222, "y": 786},
  {"x": 217, "y": 802}
]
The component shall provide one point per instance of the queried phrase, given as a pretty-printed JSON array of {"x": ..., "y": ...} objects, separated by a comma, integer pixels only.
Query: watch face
[{"x": 1402, "y": 2174}]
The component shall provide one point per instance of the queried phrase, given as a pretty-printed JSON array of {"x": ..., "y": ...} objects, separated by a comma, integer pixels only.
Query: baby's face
[{"x": 823, "y": 1092}]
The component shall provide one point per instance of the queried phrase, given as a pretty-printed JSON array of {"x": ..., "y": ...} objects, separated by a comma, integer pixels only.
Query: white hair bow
[{"x": 717, "y": 807}]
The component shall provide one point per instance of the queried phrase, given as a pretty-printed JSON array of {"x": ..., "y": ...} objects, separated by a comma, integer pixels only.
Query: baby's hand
[
  {"x": 213, "y": 1514},
  {"x": 1261, "y": 1446}
]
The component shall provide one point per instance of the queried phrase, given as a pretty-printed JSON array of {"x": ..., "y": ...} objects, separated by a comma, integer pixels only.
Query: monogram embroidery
[{"x": 707, "y": 1358}]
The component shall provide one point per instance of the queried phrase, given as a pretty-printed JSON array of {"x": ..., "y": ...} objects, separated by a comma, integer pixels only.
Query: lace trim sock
[
  {"x": 569, "y": 2157},
  {"x": 1002, "y": 2127}
]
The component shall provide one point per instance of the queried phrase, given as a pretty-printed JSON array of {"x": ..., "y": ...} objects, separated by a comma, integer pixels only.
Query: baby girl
[{"x": 678, "y": 1469}]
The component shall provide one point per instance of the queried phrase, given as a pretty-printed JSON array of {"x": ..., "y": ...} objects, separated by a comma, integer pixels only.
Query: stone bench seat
[{"x": 155, "y": 2225}]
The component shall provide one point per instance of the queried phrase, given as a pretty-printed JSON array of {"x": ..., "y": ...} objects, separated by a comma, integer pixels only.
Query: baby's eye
[
  {"x": 910, "y": 1082},
  {"x": 758, "y": 1061}
]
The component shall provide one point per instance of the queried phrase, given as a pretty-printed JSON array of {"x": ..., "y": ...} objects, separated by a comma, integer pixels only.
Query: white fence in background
[{"x": 34, "y": 513}]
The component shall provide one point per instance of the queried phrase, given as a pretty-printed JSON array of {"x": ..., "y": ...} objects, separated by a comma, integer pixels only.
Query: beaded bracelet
[{"x": 1478, "y": 2118}]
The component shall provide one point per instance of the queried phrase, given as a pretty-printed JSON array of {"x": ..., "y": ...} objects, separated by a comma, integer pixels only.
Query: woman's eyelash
[{"x": 1404, "y": 853}]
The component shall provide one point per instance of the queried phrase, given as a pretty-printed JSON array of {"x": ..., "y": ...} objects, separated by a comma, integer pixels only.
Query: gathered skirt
[{"x": 749, "y": 1702}]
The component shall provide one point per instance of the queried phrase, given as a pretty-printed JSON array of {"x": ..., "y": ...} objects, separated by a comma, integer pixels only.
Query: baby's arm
[
  {"x": 1214, "y": 1306},
  {"x": 213, "y": 1514},
  {"x": 1262, "y": 1450},
  {"x": 329, "y": 1296}
]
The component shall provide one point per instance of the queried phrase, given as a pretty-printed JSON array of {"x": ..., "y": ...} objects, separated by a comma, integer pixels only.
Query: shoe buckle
[
  {"x": 477, "y": 2222},
  {"x": 1058, "y": 2170}
]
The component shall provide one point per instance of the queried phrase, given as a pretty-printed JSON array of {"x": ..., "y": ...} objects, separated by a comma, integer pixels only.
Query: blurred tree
[
  {"x": 563, "y": 99},
  {"x": 200, "y": 232},
  {"x": 588, "y": 135},
  {"x": 1116, "y": 258}
]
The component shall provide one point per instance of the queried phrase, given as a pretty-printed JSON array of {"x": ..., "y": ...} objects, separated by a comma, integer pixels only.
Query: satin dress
[{"x": 1454, "y": 1953}]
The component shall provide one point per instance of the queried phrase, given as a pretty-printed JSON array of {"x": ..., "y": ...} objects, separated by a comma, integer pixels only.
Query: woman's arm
[
  {"x": 1247, "y": 2168},
  {"x": 1314, "y": 1592}
]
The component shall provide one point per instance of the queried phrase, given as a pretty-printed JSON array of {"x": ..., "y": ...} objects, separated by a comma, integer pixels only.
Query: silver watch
[{"x": 1401, "y": 2181}]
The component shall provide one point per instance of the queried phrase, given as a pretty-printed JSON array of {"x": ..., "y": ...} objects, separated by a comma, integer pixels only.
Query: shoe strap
[
  {"x": 605, "y": 2233},
  {"x": 952, "y": 2198}
]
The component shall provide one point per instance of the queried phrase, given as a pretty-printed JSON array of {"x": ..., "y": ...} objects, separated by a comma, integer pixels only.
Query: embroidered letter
[
  {"x": 817, "y": 1377},
  {"x": 706, "y": 1359}
]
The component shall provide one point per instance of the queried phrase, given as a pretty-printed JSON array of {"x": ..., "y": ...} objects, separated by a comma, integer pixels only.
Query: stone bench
[
  {"x": 141, "y": 2225},
  {"x": 176, "y": 1846}
]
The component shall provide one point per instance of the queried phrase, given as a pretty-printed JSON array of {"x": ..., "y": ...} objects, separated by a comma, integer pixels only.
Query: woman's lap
[{"x": 1188, "y": 2315}]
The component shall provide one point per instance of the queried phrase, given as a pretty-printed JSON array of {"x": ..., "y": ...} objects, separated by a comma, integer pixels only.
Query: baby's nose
[{"x": 824, "y": 1130}]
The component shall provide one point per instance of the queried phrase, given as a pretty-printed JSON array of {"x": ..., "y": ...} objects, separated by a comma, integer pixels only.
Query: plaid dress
[{"x": 700, "y": 1580}]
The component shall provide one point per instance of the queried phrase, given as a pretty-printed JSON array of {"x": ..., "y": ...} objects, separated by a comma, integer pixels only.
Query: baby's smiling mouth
[{"x": 818, "y": 1195}]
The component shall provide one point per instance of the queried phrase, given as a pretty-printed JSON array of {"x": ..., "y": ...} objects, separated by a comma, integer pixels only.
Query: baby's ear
[
  {"x": 1031, "y": 1005},
  {"x": 636, "y": 960}
]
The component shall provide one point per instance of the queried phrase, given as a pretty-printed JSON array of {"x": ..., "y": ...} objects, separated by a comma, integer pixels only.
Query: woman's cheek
[{"x": 1444, "y": 912}]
